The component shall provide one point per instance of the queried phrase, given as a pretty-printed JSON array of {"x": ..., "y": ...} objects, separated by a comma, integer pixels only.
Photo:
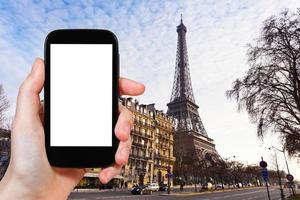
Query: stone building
[
  {"x": 151, "y": 154},
  {"x": 4, "y": 150},
  {"x": 152, "y": 145}
]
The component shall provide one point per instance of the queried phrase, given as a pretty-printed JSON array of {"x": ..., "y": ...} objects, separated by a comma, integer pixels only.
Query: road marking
[
  {"x": 243, "y": 194},
  {"x": 216, "y": 197},
  {"x": 127, "y": 196},
  {"x": 114, "y": 197}
]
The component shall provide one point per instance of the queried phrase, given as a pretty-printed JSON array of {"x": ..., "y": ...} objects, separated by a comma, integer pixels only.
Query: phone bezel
[{"x": 75, "y": 156}]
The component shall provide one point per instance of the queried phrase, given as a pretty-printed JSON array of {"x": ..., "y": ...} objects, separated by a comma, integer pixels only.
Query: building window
[{"x": 141, "y": 153}]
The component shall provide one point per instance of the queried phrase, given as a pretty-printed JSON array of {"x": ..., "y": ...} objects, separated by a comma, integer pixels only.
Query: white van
[{"x": 153, "y": 187}]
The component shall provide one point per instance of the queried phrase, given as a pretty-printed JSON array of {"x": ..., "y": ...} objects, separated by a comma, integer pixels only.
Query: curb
[{"x": 207, "y": 192}]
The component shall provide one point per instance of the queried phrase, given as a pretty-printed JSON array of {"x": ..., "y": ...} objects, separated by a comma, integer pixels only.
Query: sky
[{"x": 217, "y": 34}]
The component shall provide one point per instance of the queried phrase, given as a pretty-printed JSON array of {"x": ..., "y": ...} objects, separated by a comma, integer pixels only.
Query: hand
[{"x": 29, "y": 174}]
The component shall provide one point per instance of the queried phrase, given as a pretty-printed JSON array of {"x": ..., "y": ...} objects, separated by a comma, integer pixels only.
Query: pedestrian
[{"x": 181, "y": 186}]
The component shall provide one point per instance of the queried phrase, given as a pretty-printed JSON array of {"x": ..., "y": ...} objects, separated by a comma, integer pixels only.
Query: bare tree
[
  {"x": 4, "y": 104},
  {"x": 270, "y": 90}
]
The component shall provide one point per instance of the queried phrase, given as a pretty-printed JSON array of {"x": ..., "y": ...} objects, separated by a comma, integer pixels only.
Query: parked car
[
  {"x": 219, "y": 186},
  {"x": 238, "y": 185},
  {"x": 153, "y": 187},
  {"x": 163, "y": 187},
  {"x": 206, "y": 186},
  {"x": 141, "y": 189}
]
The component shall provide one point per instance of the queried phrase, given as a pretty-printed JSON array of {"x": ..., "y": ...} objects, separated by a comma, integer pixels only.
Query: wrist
[{"x": 11, "y": 189}]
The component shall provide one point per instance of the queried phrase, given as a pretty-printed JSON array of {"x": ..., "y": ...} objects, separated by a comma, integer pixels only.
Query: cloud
[{"x": 217, "y": 34}]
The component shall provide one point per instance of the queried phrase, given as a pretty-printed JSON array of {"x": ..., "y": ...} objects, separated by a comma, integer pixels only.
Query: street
[{"x": 242, "y": 194}]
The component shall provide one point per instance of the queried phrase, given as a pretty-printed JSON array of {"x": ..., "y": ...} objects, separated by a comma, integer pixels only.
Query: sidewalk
[
  {"x": 98, "y": 190},
  {"x": 185, "y": 193}
]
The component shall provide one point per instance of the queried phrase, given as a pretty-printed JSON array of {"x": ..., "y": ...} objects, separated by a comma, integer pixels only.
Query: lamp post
[
  {"x": 278, "y": 173},
  {"x": 229, "y": 158},
  {"x": 226, "y": 159},
  {"x": 286, "y": 163}
]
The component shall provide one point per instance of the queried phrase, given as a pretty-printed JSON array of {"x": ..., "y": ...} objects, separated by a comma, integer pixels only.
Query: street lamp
[
  {"x": 229, "y": 158},
  {"x": 278, "y": 173},
  {"x": 287, "y": 166},
  {"x": 235, "y": 180},
  {"x": 286, "y": 163}
]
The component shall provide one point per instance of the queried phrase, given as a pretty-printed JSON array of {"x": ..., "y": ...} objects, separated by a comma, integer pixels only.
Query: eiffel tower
[{"x": 191, "y": 142}]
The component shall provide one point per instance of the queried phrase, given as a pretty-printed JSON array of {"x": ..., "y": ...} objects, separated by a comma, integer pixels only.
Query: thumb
[{"x": 28, "y": 102}]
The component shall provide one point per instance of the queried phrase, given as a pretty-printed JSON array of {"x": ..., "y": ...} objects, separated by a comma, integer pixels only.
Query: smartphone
[{"x": 81, "y": 97}]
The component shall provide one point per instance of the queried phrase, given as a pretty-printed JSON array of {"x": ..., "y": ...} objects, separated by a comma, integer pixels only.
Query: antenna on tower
[{"x": 181, "y": 18}]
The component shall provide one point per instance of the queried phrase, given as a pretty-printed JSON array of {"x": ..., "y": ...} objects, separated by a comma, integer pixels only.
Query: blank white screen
[{"x": 81, "y": 94}]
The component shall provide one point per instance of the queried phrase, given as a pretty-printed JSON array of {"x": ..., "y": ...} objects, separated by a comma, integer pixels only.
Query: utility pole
[
  {"x": 279, "y": 177},
  {"x": 226, "y": 159},
  {"x": 287, "y": 166}
]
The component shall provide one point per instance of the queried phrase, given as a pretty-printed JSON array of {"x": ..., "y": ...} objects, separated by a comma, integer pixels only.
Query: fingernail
[
  {"x": 104, "y": 179},
  {"x": 141, "y": 86},
  {"x": 34, "y": 67}
]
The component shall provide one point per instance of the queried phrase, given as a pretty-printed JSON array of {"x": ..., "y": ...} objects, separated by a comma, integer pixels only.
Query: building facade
[
  {"x": 151, "y": 157},
  {"x": 4, "y": 150}
]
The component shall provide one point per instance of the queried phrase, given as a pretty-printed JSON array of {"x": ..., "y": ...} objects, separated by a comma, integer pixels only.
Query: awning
[
  {"x": 119, "y": 177},
  {"x": 90, "y": 174},
  {"x": 95, "y": 175}
]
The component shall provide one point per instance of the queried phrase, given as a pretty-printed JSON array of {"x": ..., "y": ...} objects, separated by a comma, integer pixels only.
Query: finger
[
  {"x": 28, "y": 101},
  {"x": 124, "y": 124},
  {"x": 108, "y": 173},
  {"x": 123, "y": 152},
  {"x": 130, "y": 87}
]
